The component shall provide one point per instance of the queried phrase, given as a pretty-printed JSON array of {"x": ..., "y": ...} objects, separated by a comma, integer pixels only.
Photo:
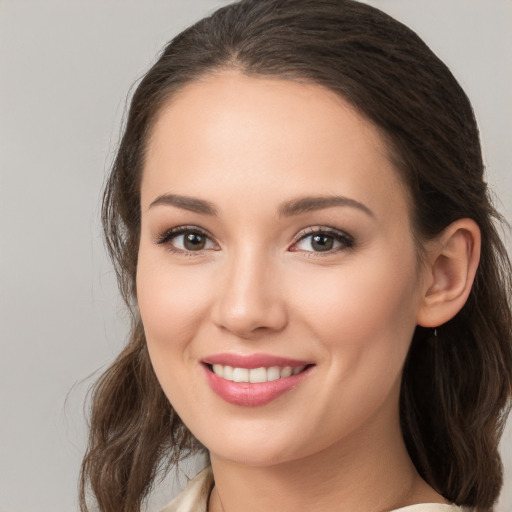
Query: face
[{"x": 275, "y": 240}]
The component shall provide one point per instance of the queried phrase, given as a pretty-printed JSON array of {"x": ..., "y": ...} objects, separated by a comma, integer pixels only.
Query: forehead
[{"x": 260, "y": 133}]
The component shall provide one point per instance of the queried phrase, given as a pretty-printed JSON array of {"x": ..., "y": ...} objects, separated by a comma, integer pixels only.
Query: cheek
[
  {"x": 171, "y": 302},
  {"x": 362, "y": 319},
  {"x": 363, "y": 308}
]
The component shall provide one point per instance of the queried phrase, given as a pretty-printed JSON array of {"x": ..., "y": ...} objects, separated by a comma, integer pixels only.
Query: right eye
[{"x": 186, "y": 239}]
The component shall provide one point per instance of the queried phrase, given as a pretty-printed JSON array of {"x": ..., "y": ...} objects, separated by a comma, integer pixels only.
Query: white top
[{"x": 197, "y": 493}]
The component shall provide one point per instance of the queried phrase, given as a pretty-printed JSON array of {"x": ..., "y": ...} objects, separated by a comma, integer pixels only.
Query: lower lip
[{"x": 252, "y": 394}]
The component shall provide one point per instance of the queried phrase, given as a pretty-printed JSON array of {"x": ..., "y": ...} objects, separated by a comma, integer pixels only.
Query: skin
[{"x": 246, "y": 145}]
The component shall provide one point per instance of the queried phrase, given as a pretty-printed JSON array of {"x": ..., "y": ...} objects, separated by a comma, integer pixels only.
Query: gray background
[{"x": 65, "y": 70}]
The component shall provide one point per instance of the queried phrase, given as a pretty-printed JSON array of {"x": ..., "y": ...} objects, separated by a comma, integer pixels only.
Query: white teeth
[
  {"x": 255, "y": 375},
  {"x": 286, "y": 371},
  {"x": 273, "y": 373},
  {"x": 228, "y": 372},
  {"x": 240, "y": 375},
  {"x": 258, "y": 375},
  {"x": 298, "y": 369},
  {"x": 218, "y": 369}
]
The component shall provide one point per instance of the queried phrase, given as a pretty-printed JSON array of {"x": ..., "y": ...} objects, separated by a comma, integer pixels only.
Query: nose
[{"x": 250, "y": 301}]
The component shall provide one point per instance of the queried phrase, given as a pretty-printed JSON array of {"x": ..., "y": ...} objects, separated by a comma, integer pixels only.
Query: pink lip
[
  {"x": 252, "y": 394},
  {"x": 253, "y": 361}
]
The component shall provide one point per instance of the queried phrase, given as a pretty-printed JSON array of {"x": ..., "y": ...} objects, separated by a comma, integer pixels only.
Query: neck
[{"x": 372, "y": 472}]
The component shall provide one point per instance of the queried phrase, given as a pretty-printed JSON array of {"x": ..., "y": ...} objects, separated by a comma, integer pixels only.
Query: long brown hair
[{"x": 456, "y": 387}]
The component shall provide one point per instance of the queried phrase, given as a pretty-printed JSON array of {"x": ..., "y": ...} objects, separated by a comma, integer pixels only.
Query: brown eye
[
  {"x": 186, "y": 240},
  {"x": 194, "y": 241},
  {"x": 323, "y": 240}
]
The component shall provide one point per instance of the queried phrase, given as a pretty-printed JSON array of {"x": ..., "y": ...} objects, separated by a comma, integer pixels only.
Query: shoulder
[
  {"x": 194, "y": 498},
  {"x": 431, "y": 507}
]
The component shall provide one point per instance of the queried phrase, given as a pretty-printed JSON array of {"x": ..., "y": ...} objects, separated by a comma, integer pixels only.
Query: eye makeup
[
  {"x": 326, "y": 240},
  {"x": 194, "y": 241}
]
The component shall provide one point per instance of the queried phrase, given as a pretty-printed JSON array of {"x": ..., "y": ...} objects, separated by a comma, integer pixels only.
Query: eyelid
[
  {"x": 346, "y": 240},
  {"x": 165, "y": 238}
]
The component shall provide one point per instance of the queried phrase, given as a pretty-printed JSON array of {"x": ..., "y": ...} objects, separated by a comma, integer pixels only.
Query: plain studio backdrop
[{"x": 66, "y": 68}]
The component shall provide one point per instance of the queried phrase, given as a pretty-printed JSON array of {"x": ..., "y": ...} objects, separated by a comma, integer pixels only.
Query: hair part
[{"x": 456, "y": 389}]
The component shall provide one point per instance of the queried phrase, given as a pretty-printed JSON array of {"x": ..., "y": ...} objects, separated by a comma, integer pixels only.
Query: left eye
[
  {"x": 191, "y": 241},
  {"x": 186, "y": 240},
  {"x": 323, "y": 241}
]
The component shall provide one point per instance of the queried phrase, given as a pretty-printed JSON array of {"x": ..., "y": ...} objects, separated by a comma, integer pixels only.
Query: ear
[{"x": 451, "y": 266}]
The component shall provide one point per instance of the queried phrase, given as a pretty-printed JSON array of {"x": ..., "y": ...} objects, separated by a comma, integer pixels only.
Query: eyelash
[
  {"x": 346, "y": 241},
  {"x": 168, "y": 235}
]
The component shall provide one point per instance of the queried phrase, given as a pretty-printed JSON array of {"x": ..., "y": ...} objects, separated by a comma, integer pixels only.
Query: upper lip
[{"x": 253, "y": 360}]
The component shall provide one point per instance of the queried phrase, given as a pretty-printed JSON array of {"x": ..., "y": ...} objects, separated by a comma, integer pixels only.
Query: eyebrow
[
  {"x": 186, "y": 203},
  {"x": 309, "y": 204},
  {"x": 286, "y": 209}
]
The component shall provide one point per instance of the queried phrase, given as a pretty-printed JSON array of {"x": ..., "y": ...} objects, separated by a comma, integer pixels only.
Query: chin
[
  {"x": 258, "y": 450},
  {"x": 252, "y": 458}
]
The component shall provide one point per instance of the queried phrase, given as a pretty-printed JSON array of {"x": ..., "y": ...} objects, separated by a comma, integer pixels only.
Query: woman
[{"x": 298, "y": 219}]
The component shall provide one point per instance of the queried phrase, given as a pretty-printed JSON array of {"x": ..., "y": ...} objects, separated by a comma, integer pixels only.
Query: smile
[
  {"x": 253, "y": 380},
  {"x": 255, "y": 375}
]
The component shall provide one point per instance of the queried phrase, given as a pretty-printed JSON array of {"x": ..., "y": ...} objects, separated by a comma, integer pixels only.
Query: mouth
[
  {"x": 249, "y": 382},
  {"x": 255, "y": 375}
]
